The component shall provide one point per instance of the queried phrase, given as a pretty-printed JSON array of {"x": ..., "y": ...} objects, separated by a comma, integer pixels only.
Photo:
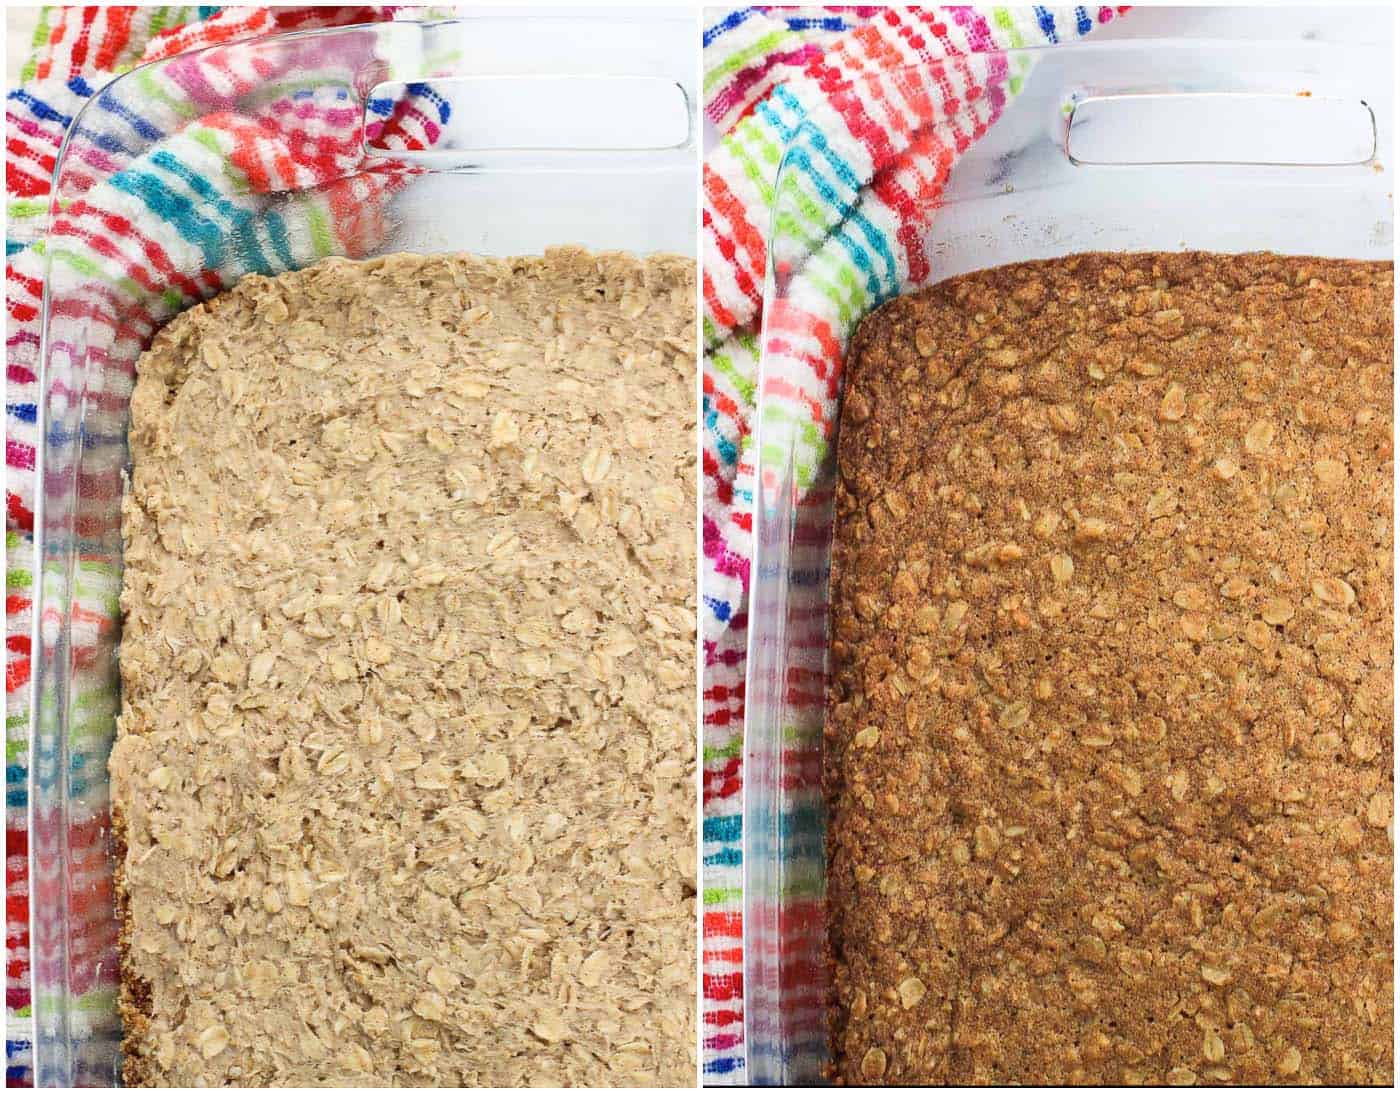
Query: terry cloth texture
[
  {"x": 172, "y": 196},
  {"x": 850, "y": 95}
]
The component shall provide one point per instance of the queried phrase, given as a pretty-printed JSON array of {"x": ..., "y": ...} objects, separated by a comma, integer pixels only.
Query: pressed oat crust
[
  {"x": 404, "y": 781},
  {"x": 1109, "y": 746}
]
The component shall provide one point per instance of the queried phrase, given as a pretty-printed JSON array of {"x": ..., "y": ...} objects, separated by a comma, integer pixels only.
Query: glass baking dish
[
  {"x": 1111, "y": 146},
  {"x": 557, "y": 170}
]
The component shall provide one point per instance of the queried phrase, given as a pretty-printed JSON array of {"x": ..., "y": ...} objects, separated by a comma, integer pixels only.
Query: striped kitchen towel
[
  {"x": 171, "y": 194},
  {"x": 872, "y": 124}
]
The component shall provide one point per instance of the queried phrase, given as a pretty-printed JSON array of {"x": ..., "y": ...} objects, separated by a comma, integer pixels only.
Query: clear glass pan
[
  {"x": 1014, "y": 195},
  {"x": 489, "y": 198}
]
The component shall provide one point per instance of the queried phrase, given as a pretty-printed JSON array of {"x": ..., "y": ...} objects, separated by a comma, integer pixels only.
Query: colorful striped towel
[
  {"x": 871, "y": 123},
  {"x": 175, "y": 188}
]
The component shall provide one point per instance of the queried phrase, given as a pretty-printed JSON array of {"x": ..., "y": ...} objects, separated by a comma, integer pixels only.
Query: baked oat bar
[{"x": 1109, "y": 747}]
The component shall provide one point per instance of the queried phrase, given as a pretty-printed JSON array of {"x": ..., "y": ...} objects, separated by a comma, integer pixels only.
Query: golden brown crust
[
  {"x": 403, "y": 783},
  {"x": 1109, "y": 739}
]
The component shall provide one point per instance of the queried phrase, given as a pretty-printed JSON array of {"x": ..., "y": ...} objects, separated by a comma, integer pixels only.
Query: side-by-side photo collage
[{"x": 664, "y": 546}]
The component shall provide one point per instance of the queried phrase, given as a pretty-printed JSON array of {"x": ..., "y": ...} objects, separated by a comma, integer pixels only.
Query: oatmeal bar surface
[
  {"x": 1109, "y": 739},
  {"x": 404, "y": 781}
]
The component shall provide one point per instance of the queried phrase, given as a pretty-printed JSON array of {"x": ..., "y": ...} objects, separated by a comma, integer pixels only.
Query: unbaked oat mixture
[
  {"x": 1109, "y": 746},
  {"x": 404, "y": 780}
]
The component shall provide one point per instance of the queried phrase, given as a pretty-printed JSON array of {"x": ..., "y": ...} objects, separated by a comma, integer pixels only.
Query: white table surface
[
  {"x": 1322, "y": 22},
  {"x": 1319, "y": 22},
  {"x": 1315, "y": 22}
]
